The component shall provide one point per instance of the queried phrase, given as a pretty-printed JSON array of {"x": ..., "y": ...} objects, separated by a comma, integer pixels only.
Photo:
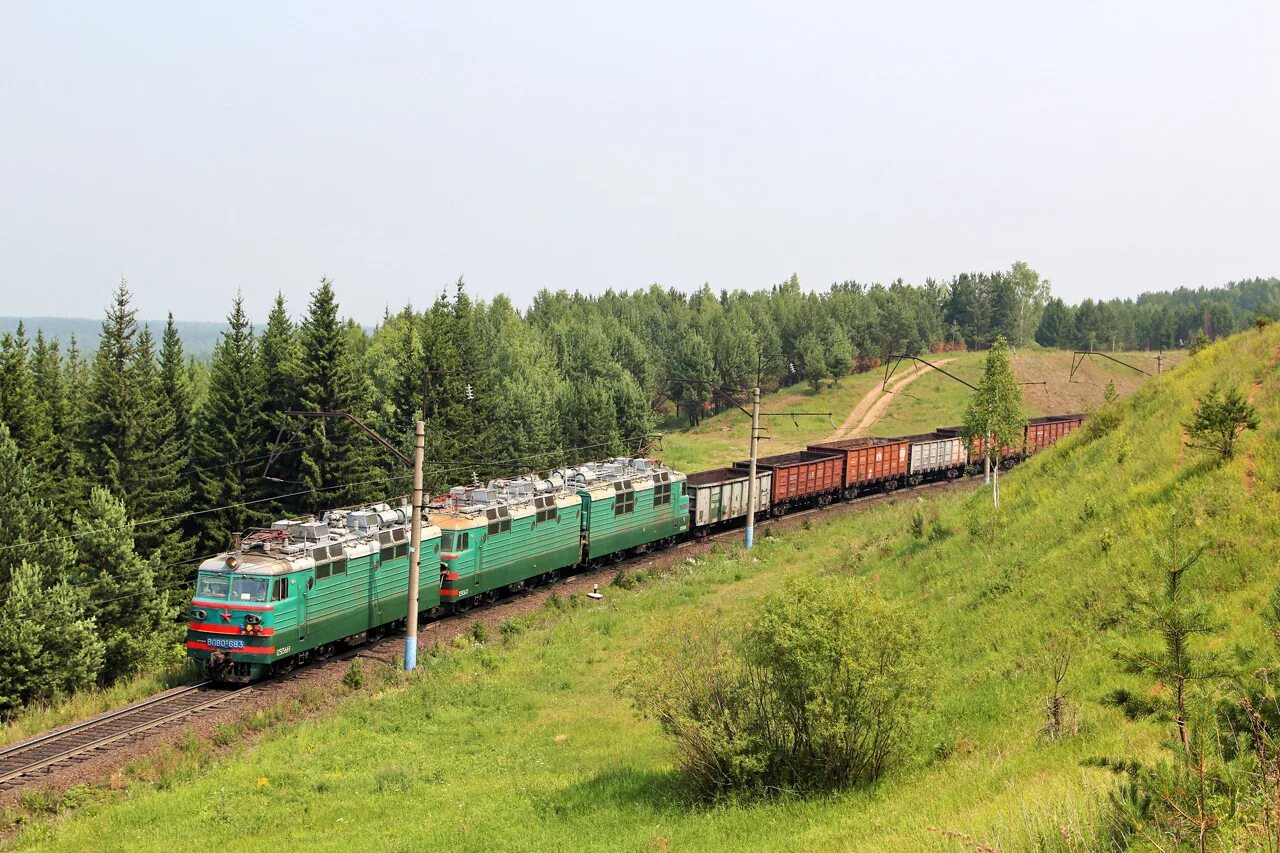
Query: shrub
[
  {"x": 354, "y": 678},
  {"x": 917, "y": 523},
  {"x": 823, "y": 689},
  {"x": 478, "y": 632},
  {"x": 1219, "y": 419}
]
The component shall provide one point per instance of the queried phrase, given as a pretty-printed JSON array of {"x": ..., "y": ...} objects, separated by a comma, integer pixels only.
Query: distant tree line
[
  {"x": 123, "y": 466},
  {"x": 1165, "y": 320}
]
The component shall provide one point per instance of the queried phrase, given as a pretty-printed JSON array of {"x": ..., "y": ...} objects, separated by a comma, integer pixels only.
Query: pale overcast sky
[{"x": 200, "y": 148}]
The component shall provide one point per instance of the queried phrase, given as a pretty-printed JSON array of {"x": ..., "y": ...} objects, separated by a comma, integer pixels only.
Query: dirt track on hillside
[{"x": 875, "y": 403}]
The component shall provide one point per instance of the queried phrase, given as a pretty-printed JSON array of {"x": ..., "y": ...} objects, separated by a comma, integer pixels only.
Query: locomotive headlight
[
  {"x": 251, "y": 619},
  {"x": 198, "y": 615}
]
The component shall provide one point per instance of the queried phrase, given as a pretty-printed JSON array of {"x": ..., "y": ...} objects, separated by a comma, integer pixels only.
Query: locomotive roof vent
[
  {"x": 642, "y": 465},
  {"x": 313, "y": 531}
]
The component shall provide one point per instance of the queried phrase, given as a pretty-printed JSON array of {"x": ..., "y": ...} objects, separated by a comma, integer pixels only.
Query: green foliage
[
  {"x": 132, "y": 614},
  {"x": 813, "y": 360},
  {"x": 1219, "y": 419},
  {"x": 823, "y": 689},
  {"x": 230, "y": 435},
  {"x": 49, "y": 646},
  {"x": 353, "y": 679},
  {"x": 335, "y": 458},
  {"x": 1198, "y": 343}
]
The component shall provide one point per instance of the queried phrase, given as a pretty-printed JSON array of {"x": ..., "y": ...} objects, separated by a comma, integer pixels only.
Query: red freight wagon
[
  {"x": 802, "y": 477},
  {"x": 870, "y": 461},
  {"x": 1044, "y": 432}
]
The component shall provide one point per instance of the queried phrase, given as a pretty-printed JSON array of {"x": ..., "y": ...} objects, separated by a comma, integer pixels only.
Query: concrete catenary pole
[
  {"x": 751, "y": 475},
  {"x": 415, "y": 544}
]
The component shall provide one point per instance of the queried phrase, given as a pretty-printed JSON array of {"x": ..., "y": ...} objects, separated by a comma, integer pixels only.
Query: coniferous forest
[{"x": 121, "y": 468}]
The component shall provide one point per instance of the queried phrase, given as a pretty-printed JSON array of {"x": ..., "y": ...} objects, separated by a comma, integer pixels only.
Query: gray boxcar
[
  {"x": 721, "y": 495},
  {"x": 934, "y": 455}
]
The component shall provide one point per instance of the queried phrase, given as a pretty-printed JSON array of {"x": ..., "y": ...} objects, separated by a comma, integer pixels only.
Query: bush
[
  {"x": 823, "y": 690},
  {"x": 354, "y": 678}
]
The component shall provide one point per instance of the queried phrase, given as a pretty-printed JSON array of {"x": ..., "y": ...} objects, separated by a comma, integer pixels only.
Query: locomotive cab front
[{"x": 234, "y": 618}]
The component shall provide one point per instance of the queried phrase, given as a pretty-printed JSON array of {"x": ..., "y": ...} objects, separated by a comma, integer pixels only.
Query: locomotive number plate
[{"x": 226, "y": 643}]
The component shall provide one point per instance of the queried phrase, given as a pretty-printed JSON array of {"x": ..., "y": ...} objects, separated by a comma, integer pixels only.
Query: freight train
[{"x": 304, "y": 588}]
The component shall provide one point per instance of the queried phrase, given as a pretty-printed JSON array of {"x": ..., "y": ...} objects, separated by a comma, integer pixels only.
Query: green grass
[{"x": 525, "y": 744}]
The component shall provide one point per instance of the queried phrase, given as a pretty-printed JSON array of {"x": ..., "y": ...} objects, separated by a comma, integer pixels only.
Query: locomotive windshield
[
  {"x": 213, "y": 586},
  {"x": 249, "y": 589}
]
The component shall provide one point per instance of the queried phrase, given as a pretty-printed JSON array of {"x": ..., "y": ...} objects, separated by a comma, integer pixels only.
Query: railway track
[{"x": 34, "y": 759}]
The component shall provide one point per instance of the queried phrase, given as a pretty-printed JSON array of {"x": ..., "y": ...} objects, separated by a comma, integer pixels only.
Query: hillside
[
  {"x": 919, "y": 400},
  {"x": 524, "y": 743}
]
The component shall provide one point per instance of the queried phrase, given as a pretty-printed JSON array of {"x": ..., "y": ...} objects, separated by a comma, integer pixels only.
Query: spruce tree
[
  {"x": 477, "y": 374},
  {"x": 116, "y": 405},
  {"x": 162, "y": 464},
  {"x": 132, "y": 613},
  {"x": 65, "y": 464},
  {"x": 336, "y": 458},
  {"x": 49, "y": 646},
  {"x": 280, "y": 363},
  {"x": 175, "y": 383},
  {"x": 24, "y": 409},
  {"x": 445, "y": 399},
  {"x": 230, "y": 436},
  {"x": 76, "y": 382},
  {"x": 27, "y": 518}
]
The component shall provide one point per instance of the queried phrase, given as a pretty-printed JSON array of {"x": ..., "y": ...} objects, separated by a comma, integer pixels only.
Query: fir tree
[
  {"x": 24, "y": 514},
  {"x": 335, "y": 457},
  {"x": 446, "y": 397},
  {"x": 133, "y": 615},
  {"x": 280, "y": 363},
  {"x": 24, "y": 408},
  {"x": 175, "y": 383},
  {"x": 65, "y": 466},
  {"x": 161, "y": 486},
  {"x": 116, "y": 405},
  {"x": 49, "y": 646},
  {"x": 477, "y": 412},
  {"x": 76, "y": 382},
  {"x": 230, "y": 435}
]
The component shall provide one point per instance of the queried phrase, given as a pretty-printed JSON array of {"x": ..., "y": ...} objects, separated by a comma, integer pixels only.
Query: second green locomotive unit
[{"x": 304, "y": 587}]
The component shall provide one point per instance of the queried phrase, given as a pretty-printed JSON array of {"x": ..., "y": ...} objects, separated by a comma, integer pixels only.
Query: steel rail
[{"x": 42, "y": 759}]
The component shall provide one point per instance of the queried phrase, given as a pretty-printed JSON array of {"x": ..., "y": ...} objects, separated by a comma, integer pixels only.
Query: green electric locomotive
[{"x": 303, "y": 588}]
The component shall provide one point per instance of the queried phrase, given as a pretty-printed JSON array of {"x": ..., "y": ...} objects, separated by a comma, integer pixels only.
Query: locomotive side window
[
  {"x": 322, "y": 572},
  {"x": 249, "y": 589},
  {"x": 214, "y": 587},
  {"x": 624, "y": 502},
  {"x": 280, "y": 590},
  {"x": 661, "y": 494},
  {"x": 496, "y": 527},
  {"x": 549, "y": 514}
]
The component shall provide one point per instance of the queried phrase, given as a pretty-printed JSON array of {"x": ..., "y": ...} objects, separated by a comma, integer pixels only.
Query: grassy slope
[
  {"x": 524, "y": 745},
  {"x": 928, "y": 402}
]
